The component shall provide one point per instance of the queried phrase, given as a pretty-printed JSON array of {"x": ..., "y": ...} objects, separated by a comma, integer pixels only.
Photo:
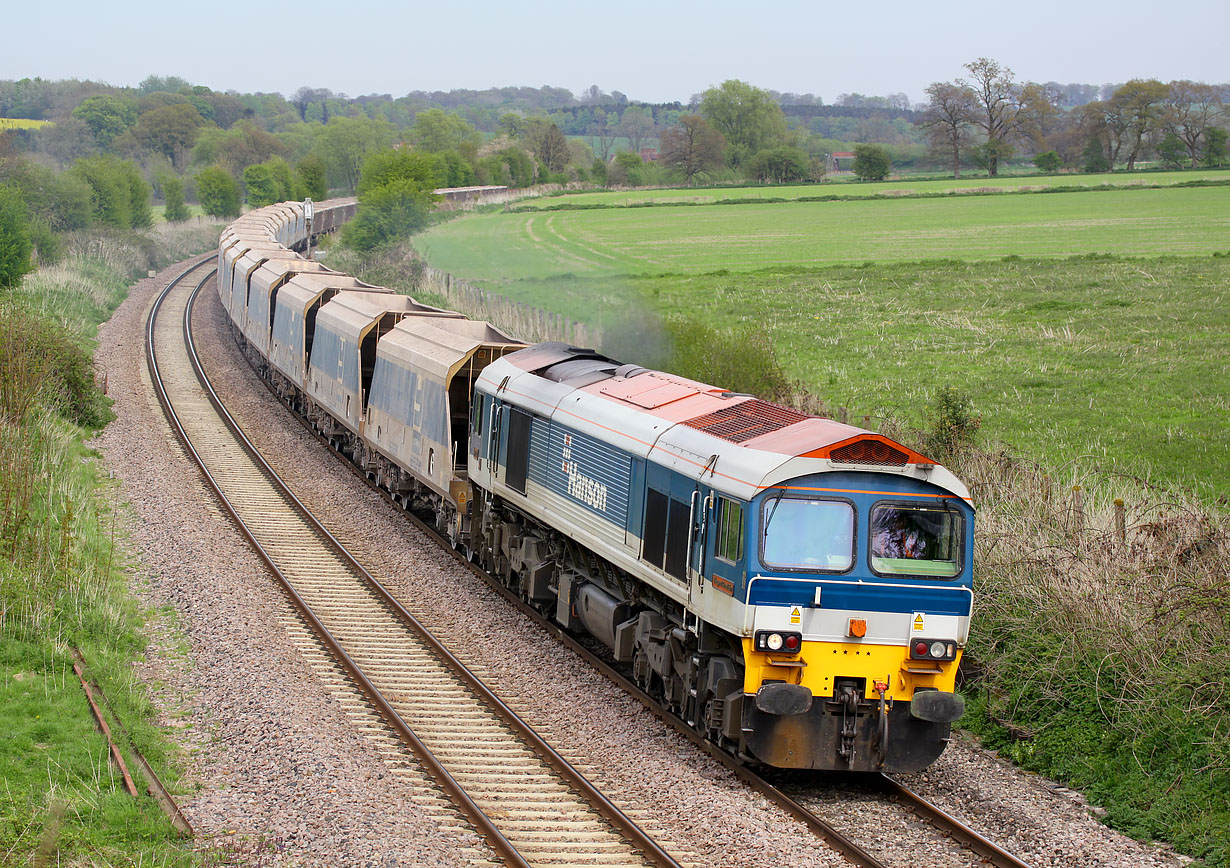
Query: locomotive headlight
[
  {"x": 772, "y": 641},
  {"x": 933, "y": 649}
]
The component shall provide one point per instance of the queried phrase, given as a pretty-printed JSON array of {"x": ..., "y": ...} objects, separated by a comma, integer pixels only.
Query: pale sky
[{"x": 652, "y": 51}]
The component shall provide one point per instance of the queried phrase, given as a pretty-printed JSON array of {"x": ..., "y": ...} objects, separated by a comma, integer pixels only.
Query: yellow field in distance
[{"x": 22, "y": 124}]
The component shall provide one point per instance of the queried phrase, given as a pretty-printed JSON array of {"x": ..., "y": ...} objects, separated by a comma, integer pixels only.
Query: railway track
[
  {"x": 528, "y": 803},
  {"x": 819, "y": 807}
]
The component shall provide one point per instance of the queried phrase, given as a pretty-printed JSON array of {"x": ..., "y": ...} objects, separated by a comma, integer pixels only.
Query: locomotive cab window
[
  {"x": 916, "y": 540},
  {"x": 729, "y": 546},
  {"x": 807, "y": 533}
]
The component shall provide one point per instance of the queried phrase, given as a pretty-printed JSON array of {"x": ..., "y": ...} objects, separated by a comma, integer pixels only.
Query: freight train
[{"x": 797, "y": 589}]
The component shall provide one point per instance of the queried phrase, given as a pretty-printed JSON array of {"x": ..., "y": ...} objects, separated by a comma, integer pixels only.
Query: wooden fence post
[{"x": 1120, "y": 521}]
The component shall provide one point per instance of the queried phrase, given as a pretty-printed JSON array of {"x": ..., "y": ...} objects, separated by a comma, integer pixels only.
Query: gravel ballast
[{"x": 285, "y": 778}]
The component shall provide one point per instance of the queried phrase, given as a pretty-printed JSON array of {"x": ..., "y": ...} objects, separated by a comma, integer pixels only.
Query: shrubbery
[
  {"x": 218, "y": 192},
  {"x": 15, "y": 243},
  {"x": 395, "y": 197}
]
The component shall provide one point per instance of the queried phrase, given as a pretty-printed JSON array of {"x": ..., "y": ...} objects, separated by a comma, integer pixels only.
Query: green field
[
  {"x": 1098, "y": 344},
  {"x": 890, "y": 188},
  {"x": 1150, "y": 222}
]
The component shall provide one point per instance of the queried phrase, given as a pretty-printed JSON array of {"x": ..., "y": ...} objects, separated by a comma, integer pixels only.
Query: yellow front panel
[{"x": 828, "y": 660}]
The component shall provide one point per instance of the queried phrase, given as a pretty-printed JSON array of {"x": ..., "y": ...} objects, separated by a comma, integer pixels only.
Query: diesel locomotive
[{"x": 796, "y": 589}]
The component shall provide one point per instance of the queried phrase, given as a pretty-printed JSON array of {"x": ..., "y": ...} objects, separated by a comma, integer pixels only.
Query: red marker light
[
  {"x": 792, "y": 643},
  {"x": 921, "y": 648}
]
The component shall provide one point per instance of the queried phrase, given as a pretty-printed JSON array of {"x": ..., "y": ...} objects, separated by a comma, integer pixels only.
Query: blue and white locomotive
[{"x": 797, "y": 589}]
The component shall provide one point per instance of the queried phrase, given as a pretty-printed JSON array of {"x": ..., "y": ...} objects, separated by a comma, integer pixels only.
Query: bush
[
  {"x": 173, "y": 195},
  {"x": 779, "y": 165},
  {"x": 1048, "y": 162},
  {"x": 15, "y": 242},
  {"x": 218, "y": 192},
  {"x": 954, "y": 424},
  {"x": 741, "y": 359},
  {"x": 871, "y": 162},
  {"x": 388, "y": 213},
  {"x": 313, "y": 178},
  {"x": 261, "y": 187},
  {"x": 41, "y": 362}
]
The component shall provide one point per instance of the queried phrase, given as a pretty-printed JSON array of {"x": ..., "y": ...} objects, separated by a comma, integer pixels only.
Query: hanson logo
[{"x": 588, "y": 491}]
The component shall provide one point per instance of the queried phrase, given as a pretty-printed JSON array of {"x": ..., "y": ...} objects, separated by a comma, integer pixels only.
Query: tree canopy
[
  {"x": 748, "y": 117},
  {"x": 691, "y": 147}
]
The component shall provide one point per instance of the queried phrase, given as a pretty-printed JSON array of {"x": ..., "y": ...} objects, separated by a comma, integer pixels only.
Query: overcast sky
[{"x": 653, "y": 51}]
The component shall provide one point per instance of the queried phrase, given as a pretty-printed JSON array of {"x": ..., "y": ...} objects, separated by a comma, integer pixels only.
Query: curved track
[
  {"x": 805, "y": 801},
  {"x": 527, "y": 802}
]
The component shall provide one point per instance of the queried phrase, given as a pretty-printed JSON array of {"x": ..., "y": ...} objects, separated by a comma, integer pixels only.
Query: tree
[
  {"x": 1039, "y": 117},
  {"x": 780, "y": 165},
  {"x": 218, "y": 192},
  {"x": 436, "y": 130},
  {"x": 67, "y": 140},
  {"x": 996, "y": 108},
  {"x": 692, "y": 147},
  {"x": 1104, "y": 124},
  {"x": 401, "y": 164},
  {"x": 119, "y": 195},
  {"x": 395, "y": 197},
  {"x": 15, "y": 243},
  {"x": 549, "y": 145},
  {"x": 61, "y": 202},
  {"x": 947, "y": 119},
  {"x": 871, "y": 162},
  {"x": 1172, "y": 151},
  {"x": 1193, "y": 109},
  {"x": 345, "y": 143},
  {"x": 312, "y": 178},
  {"x": 171, "y": 131},
  {"x": 1139, "y": 103},
  {"x": 106, "y": 116},
  {"x": 1215, "y": 147},
  {"x": 237, "y": 148},
  {"x": 747, "y": 116},
  {"x": 262, "y": 188},
  {"x": 1048, "y": 162},
  {"x": 173, "y": 197},
  {"x": 604, "y": 132},
  {"x": 636, "y": 126},
  {"x": 1094, "y": 158}
]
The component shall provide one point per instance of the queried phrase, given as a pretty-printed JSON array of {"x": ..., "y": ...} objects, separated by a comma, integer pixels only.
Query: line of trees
[{"x": 987, "y": 115}]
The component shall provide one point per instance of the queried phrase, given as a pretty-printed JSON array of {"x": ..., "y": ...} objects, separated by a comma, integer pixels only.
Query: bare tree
[
  {"x": 1192, "y": 108},
  {"x": 636, "y": 126},
  {"x": 604, "y": 134},
  {"x": 947, "y": 119},
  {"x": 997, "y": 106},
  {"x": 692, "y": 147},
  {"x": 1139, "y": 105}
]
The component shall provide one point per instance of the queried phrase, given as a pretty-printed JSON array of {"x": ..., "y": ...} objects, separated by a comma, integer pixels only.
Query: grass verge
[{"x": 62, "y": 578}]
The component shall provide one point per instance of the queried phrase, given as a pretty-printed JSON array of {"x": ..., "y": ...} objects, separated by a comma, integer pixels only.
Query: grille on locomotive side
[{"x": 744, "y": 421}]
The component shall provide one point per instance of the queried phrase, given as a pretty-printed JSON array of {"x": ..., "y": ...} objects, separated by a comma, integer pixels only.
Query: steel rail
[
  {"x": 638, "y": 839},
  {"x": 840, "y": 842},
  {"x": 960, "y": 832}
]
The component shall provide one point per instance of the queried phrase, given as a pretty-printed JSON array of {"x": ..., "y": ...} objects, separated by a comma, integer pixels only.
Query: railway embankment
[{"x": 62, "y": 579}]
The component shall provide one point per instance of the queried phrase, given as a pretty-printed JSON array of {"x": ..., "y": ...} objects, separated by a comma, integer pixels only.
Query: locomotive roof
[{"x": 745, "y": 444}]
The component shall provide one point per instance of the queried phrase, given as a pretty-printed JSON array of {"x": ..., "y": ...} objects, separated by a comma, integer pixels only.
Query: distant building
[{"x": 649, "y": 155}]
